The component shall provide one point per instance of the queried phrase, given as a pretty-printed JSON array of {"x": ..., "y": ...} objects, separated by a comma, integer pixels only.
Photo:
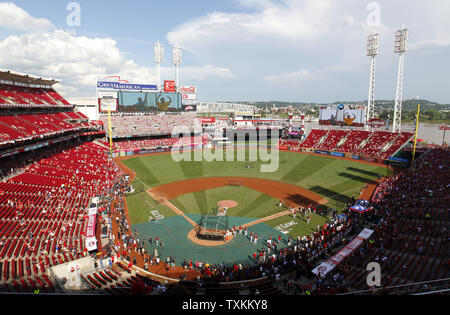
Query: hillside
[{"x": 379, "y": 105}]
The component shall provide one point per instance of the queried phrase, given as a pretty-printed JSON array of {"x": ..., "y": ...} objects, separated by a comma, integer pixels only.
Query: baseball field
[{"x": 173, "y": 195}]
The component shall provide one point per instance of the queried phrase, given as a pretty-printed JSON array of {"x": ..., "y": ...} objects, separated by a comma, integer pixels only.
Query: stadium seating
[
  {"x": 20, "y": 127},
  {"x": 42, "y": 211},
  {"x": 127, "y": 125},
  {"x": 333, "y": 139},
  {"x": 400, "y": 141},
  {"x": 353, "y": 141},
  {"x": 293, "y": 144},
  {"x": 411, "y": 241},
  {"x": 374, "y": 144},
  {"x": 152, "y": 143},
  {"x": 14, "y": 94},
  {"x": 313, "y": 138}
]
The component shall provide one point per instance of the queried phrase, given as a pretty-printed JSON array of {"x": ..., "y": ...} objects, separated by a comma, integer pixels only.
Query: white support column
[
  {"x": 400, "y": 47},
  {"x": 397, "y": 124},
  {"x": 371, "y": 100},
  {"x": 159, "y": 58},
  {"x": 177, "y": 60},
  {"x": 372, "y": 51}
]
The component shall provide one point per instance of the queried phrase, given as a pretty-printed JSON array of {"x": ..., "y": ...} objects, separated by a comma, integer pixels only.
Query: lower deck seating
[
  {"x": 43, "y": 211},
  {"x": 374, "y": 144}
]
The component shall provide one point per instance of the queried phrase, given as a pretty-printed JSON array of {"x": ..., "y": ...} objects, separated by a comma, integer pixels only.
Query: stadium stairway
[{"x": 117, "y": 280}]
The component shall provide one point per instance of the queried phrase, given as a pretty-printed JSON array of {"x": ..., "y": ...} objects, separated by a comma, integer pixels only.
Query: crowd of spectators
[
  {"x": 123, "y": 124},
  {"x": 165, "y": 142},
  {"x": 410, "y": 220}
]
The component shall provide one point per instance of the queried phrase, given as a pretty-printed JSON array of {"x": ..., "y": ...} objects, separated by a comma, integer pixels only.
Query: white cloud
[
  {"x": 286, "y": 20},
  {"x": 205, "y": 72},
  {"x": 312, "y": 23},
  {"x": 80, "y": 61},
  {"x": 13, "y": 17},
  {"x": 303, "y": 74},
  {"x": 295, "y": 75}
]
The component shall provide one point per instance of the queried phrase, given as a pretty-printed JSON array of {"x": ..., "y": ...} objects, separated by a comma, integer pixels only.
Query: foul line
[
  {"x": 172, "y": 207},
  {"x": 179, "y": 212}
]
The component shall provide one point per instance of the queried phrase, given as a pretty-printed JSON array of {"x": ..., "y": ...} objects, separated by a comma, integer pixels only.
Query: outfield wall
[
  {"x": 350, "y": 156},
  {"x": 391, "y": 160}
]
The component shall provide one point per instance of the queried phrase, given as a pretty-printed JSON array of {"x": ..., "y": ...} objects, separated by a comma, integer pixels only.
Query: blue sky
[{"x": 233, "y": 50}]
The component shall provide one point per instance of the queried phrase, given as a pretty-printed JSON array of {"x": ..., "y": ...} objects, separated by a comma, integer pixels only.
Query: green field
[
  {"x": 251, "y": 203},
  {"x": 140, "y": 206},
  {"x": 335, "y": 179}
]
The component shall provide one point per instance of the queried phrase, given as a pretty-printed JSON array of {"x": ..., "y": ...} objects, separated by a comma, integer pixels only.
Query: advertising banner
[
  {"x": 91, "y": 243},
  {"x": 91, "y": 240},
  {"x": 188, "y": 108},
  {"x": 107, "y": 94},
  {"x": 322, "y": 152},
  {"x": 348, "y": 249},
  {"x": 397, "y": 159},
  {"x": 368, "y": 159},
  {"x": 351, "y": 247},
  {"x": 188, "y": 89},
  {"x": 207, "y": 120},
  {"x": 189, "y": 102},
  {"x": 169, "y": 86},
  {"x": 339, "y": 154},
  {"x": 324, "y": 268},
  {"x": 105, "y": 103},
  {"x": 189, "y": 97},
  {"x": 125, "y": 87}
]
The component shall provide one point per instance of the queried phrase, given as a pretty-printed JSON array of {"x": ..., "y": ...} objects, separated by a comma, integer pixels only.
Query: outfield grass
[
  {"x": 297, "y": 226},
  {"x": 334, "y": 179},
  {"x": 251, "y": 203},
  {"x": 140, "y": 206}
]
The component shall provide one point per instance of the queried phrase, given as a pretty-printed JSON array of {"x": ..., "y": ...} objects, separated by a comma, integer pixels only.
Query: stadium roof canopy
[{"x": 17, "y": 77}]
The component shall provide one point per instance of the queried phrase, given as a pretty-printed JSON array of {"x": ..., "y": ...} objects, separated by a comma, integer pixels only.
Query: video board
[
  {"x": 149, "y": 102},
  {"x": 341, "y": 116}
]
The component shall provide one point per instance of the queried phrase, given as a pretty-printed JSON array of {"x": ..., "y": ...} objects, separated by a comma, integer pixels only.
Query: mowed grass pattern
[
  {"x": 251, "y": 203},
  {"x": 335, "y": 179},
  {"x": 140, "y": 205}
]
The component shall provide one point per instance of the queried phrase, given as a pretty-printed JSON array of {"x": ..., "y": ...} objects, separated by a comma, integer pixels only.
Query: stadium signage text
[
  {"x": 322, "y": 152},
  {"x": 188, "y": 90},
  {"x": 348, "y": 249},
  {"x": 339, "y": 154},
  {"x": 128, "y": 87},
  {"x": 169, "y": 86}
]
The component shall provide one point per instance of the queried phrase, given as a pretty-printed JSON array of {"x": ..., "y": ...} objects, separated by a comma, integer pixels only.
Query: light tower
[
  {"x": 400, "y": 47},
  {"x": 177, "y": 59},
  {"x": 158, "y": 51},
  {"x": 373, "y": 41}
]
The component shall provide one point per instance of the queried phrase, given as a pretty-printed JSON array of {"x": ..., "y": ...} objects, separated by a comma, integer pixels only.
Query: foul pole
[
  {"x": 417, "y": 129},
  {"x": 110, "y": 130}
]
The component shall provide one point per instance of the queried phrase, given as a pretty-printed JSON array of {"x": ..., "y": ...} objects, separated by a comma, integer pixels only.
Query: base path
[
  {"x": 162, "y": 200},
  {"x": 292, "y": 194},
  {"x": 271, "y": 217}
]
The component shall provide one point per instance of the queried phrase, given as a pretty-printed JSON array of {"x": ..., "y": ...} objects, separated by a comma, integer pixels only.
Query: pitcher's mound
[{"x": 227, "y": 203}]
